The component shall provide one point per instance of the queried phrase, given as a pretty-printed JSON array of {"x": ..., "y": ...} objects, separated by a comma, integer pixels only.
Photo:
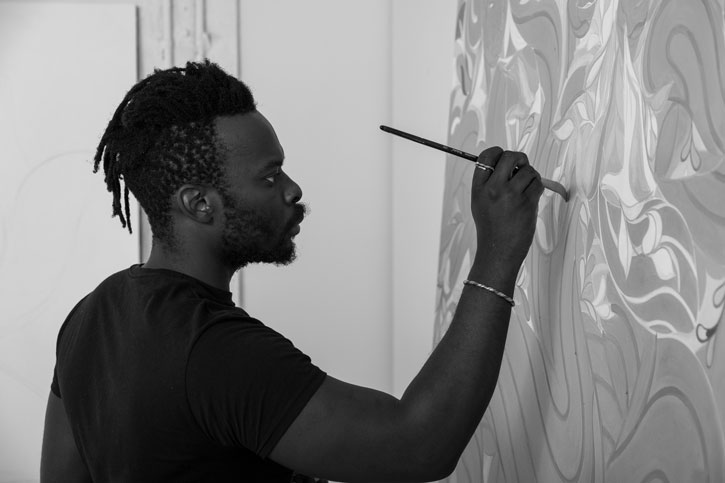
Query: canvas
[{"x": 613, "y": 369}]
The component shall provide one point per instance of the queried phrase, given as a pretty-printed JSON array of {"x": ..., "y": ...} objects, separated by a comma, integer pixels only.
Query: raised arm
[{"x": 350, "y": 433}]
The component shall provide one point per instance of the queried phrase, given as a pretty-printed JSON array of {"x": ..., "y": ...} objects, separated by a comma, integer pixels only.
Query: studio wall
[
  {"x": 57, "y": 237},
  {"x": 614, "y": 366}
]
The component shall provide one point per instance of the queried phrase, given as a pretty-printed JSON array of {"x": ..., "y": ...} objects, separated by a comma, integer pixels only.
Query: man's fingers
[
  {"x": 509, "y": 161},
  {"x": 523, "y": 177},
  {"x": 535, "y": 188},
  {"x": 489, "y": 157}
]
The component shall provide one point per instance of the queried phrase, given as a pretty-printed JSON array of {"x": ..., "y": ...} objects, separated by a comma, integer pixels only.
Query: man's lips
[{"x": 296, "y": 222}]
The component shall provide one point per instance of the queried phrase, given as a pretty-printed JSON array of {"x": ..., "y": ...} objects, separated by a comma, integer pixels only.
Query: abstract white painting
[{"x": 614, "y": 367}]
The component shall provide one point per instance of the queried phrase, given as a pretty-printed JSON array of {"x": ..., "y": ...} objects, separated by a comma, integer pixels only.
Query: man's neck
[{"x": 194, "y": 266}]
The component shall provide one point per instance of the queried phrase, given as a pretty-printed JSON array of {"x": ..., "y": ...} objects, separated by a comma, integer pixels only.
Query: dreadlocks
[{"x": 162, "y": 136}]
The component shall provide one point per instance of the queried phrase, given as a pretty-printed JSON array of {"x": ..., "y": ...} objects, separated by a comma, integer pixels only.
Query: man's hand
[{"x": 504, "y": 202}]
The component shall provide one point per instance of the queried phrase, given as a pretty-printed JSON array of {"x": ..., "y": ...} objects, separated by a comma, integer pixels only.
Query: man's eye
[{"x": 271, "y": 177}]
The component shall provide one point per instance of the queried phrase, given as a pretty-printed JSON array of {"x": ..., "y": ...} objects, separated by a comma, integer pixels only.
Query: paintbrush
[{"x": 548, "y": 184}]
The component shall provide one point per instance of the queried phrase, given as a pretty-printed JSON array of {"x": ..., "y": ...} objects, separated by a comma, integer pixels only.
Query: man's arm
[
  {"x": 350, "y": 433},
  {"x": 60, "y": 460}
]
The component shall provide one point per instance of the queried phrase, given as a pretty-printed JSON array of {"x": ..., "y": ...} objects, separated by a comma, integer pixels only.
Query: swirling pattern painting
[{"x": 614, "y": 368}]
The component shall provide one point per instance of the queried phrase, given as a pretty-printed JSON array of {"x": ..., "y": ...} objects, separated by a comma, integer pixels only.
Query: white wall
[
  {"x": 57, "y": 237},
  {"x": 320, "y": 71},
  {"x": 422, "y": 45},
  {"x": 360, "y": 299}
]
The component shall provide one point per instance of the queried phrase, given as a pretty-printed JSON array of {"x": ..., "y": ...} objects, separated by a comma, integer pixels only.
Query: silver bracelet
[{"x": 492, "y": 290}]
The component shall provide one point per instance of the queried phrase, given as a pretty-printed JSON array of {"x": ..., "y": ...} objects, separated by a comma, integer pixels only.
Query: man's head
[{"x": 205, "y": 166}]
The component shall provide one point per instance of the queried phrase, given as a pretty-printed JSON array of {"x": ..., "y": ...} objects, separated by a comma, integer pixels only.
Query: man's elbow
[
  {"x": 433, "y": 472},
  {"x": 434, "y": 458},
  {"x": 443, "y": 468},
  {"x": 433, "y": 469}
]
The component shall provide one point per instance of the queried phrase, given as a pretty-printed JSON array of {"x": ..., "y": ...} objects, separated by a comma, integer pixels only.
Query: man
[{"x": 159, "y": 377}]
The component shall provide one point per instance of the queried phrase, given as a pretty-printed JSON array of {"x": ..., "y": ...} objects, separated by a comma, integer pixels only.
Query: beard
[{"x": 251, "y": 237}]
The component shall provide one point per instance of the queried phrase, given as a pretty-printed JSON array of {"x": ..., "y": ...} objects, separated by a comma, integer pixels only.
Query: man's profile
[{"x": 160, "y": 377}]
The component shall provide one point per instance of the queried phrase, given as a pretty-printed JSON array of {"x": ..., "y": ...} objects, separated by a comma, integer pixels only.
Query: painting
[{"x": 614, "y": 368}]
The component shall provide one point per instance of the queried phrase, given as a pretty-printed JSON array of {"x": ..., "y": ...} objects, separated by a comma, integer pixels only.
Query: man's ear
[{"x": 196, "y": 203}]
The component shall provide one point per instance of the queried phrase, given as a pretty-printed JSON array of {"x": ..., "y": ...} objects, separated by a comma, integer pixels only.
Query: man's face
[{"x": 261, "y": 212}]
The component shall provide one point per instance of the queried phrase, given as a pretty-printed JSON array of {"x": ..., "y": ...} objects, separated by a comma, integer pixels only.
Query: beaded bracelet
[{"x": 492, "y": 290}]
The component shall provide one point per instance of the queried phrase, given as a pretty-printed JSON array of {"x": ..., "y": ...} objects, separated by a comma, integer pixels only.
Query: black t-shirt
[{"x": 163, "y": 378}]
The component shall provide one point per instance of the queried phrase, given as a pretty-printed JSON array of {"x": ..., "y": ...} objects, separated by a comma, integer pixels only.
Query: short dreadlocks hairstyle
[{"x": 162, "y": 136}]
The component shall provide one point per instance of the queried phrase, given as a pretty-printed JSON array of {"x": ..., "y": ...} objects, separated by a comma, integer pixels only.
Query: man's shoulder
[
  {"x": 233, "y": 321},
  {"x": 236, "y": 331}
]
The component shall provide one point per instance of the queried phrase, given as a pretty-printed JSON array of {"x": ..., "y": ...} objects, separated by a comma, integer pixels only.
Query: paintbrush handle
[
  {"x": 429, "y": 143},
  {"x": 548, "y": 184}
]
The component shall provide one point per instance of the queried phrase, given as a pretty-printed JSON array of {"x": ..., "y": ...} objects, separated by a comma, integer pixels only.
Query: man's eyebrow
[{"x": 271, "y": 164}]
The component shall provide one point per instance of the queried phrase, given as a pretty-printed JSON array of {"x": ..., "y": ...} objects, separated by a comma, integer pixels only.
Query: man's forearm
[{"x": 449, "y": 396}]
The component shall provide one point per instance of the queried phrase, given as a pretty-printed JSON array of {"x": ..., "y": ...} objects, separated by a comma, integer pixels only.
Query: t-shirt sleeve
[
  {"x": 54, "y": 387},
  {"x": 246, "y": 384}
]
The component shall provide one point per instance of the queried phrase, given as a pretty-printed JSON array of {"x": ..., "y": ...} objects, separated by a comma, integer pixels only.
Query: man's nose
[{"x": 293, "y": 192}]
